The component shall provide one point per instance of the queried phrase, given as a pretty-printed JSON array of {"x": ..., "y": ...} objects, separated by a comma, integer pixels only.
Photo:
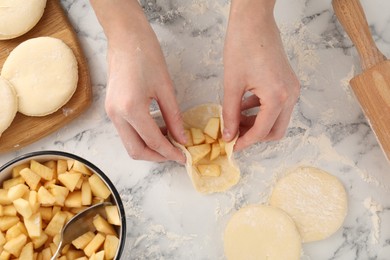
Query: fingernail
[
  {"x": 226, "y": 134},
  {"x": 183, "y": 137}
]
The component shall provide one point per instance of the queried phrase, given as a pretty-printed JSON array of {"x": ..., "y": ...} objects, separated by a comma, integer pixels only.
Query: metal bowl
[{"x": 42, "y": 156}]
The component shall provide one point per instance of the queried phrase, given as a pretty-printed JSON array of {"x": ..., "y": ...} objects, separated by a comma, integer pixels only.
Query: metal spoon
[{"x": 80, "y": 224}]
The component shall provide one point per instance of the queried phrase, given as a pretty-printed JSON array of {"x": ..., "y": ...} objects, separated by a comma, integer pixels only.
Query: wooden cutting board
[
  {"x": 372, "y": 86},
  {"x": 25, "y": 130}
]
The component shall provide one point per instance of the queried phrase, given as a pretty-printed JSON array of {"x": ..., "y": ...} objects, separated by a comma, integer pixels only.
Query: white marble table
[{"x": 166, "y": 218}]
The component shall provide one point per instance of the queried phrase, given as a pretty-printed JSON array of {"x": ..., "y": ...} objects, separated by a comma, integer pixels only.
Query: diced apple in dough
[
  {"x": 188, "y": 135},
  {"x": 212, "y": 127},
  {"x": 222, "y": 146},
  {"x": 210, "y": 170},
  {"x": 215, "y": 151},
  {"x": 197, "y": 136},
  {"x": 198, "y": 152},
  {"x": 208, "y": 139}
]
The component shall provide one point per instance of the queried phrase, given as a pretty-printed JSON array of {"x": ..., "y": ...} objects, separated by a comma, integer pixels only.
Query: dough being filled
[
  {"x": 230, "y": 173},
  {"x": 44, "y": 73},
  {"x": 17, "y": 17},
  {"x": 261, "y": 232},
  {"x": 8, "y": 104},
  {"x": 315, "y": 200}
]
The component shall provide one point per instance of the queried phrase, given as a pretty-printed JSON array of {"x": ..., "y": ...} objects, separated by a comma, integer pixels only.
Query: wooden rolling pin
[{"x": 372, "y": 86}]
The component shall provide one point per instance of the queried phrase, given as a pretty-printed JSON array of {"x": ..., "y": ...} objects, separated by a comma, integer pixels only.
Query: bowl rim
[{"x": 113, "y": 189}]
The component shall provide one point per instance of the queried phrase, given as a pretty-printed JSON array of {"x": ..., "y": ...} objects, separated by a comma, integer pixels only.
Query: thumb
[
  {"x": 231, "y": 111},
  {"x": 172, "y": 115}
]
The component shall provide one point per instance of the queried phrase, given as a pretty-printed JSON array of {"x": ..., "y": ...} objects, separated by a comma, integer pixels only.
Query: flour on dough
[
  {"x": 315, "y": 200},
  {"x": 17, "y": 17},
  {"x": 261, "y": 232},
  {"x": 44, "y": 74},
  {"x": 230, "y": 173},
  {"x": 8, "y": 104}
]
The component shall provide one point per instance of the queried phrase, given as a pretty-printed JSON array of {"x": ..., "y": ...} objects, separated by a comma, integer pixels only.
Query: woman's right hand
[{"x": 137, "y": 74}]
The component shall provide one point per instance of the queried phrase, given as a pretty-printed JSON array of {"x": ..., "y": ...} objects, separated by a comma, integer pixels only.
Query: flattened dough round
[
  {"x": 17, "y": 17},
  {"x": 315, "y": 200},
  {"x": 261, "y": 232},
  {"x": 8, "y": 104},
  {"x": 44, "y": 73}
]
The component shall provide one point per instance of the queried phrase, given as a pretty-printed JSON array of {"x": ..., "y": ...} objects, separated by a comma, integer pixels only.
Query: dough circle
[
  {"x": 315, "y": 200},
  {"x": 8, "y": 104},
  {"x": 44, "y": 73},
  {"x": 17, "y": 17},
  {"x": 261, "y": 232}
]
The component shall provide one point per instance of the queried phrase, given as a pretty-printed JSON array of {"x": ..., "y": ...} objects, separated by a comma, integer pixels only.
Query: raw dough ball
[
  {"x": 315, "y": 200},
  {"x": 17, "y": 17},
  {"x": 8, "y": 104},
  {"x": 230, "y": 173},
  {"x": 261, "y": 232},
  {"x": 44, "y": 73}
]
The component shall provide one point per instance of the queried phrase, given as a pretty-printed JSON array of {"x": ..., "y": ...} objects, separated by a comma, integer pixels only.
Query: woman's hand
[
  {"x": 255, "y": 61},
  {"x": 137, "y": 74}
]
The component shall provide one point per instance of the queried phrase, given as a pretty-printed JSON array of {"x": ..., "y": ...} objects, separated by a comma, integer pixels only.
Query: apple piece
[
  {"x": 103, "y": 226},
  {"x": 34, "y": 225},
  {"x": 212, "y": 127},
  {"x": 98, "y": 187},
  {"x": 16, "y": 170},
  {"x": 9, "y": 210},
  {"x": 39, "y": 241},
  {"x": 222, "y": 144},
  {"x": 210, "y": 170},
  {"x": 82, "y": 241},
  {"x": 113, "y": 215},
  {"x": 27, "y": 252},
  {"x": 15, "y": 231},
  {"x": 110, "y": 246},
  {"x": 56, "y": 224},
  {"x": 86, "y": 194},
  {"x": 15, "y": 245},
  {"x": 8, "y": 221},
  {"x": 23, "y": 207},
  {"x": 45, "y": 198},
  {"x": 188, "y": 135},
  {"x": 4, "y": 200},
  {"x": 209, "y": 139},
  {"x": 80, "y": 167},
  {"x": 215, "y": 151},
  {"x": 46, "y": 253},
  {"x": 69, "y": 180},
  {"x": 73, "y": 200},
  {"x": 7, "y": 184},
  {"x": 17, "y": 191},
  {"x": 31, "y": 178},
  {"x": 62, "y": 166},
  {"x": 198, "y": 152},
  {"x": 59, "y": 193},
  {"x": 94, "y": 245},
  {"x": 45, "y": 172},
  {"x": 197, "y": 136}
]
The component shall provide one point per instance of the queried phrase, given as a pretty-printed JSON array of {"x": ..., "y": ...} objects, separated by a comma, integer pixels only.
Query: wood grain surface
[
  {"x": 372, "y": 86},
  {"x": 25, "y": 130}
]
